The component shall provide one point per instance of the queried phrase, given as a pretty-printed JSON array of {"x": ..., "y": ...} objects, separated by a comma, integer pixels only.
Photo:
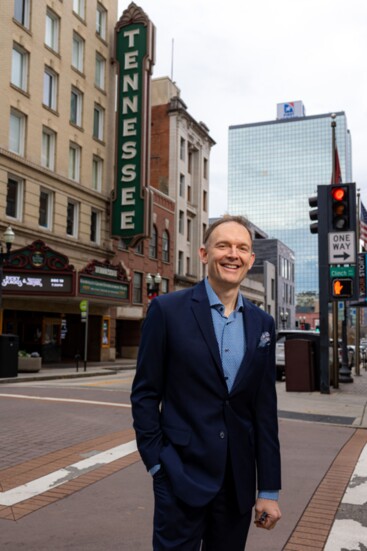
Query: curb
[{"x": 108, "y": 370}]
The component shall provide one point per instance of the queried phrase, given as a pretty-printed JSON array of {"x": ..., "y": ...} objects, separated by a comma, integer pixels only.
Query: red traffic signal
[
  {"x": 338, "y": 193},
  {"x": 340, "y": 208}
]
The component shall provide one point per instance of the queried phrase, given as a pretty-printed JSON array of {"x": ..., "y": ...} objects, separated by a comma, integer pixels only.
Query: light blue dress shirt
[{"x": 230, "y": 334}]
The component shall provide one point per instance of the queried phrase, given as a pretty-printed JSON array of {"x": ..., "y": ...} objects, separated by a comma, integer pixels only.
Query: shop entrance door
[{"x": 51, "y": 340}]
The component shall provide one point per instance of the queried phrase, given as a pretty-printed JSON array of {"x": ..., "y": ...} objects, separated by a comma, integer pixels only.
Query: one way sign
[{"x": 342, "y": 247}]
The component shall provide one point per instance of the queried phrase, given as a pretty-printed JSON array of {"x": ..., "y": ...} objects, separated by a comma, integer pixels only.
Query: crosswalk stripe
[
  {"x": 59, "y": 477},
  {"x": 70, "y": 400}
]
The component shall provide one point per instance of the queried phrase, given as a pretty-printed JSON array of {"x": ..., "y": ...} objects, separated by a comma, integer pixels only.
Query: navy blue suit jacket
[{"x": 184, "y": 416}]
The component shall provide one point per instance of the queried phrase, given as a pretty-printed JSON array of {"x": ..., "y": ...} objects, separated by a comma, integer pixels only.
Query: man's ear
[
  {"x": 203, "y": 255},
  {"x": 252, "y": 261}
]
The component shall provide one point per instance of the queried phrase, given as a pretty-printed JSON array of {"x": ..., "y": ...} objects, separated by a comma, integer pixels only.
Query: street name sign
[
  {"x": 342, "y": 271},
  {"x": 342, "y": 247}
]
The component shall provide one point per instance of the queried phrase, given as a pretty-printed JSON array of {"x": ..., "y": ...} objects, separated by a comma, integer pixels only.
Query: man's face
[{"x": 228, "y": 254}]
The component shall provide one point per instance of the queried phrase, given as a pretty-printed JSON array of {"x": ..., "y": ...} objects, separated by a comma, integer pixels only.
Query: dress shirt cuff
[
  {"x": 154, "y": 469},
  {"x": 268, "y": 495}
]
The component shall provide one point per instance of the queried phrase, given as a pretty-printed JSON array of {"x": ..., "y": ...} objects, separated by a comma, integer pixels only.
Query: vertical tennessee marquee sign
[{"x": 134, "y": 36}]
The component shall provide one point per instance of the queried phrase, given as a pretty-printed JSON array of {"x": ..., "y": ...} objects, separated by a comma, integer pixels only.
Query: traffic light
[
  {"x": 342, "y": 207},
  {"x": 318, "y": 214},
  {"x": 314, "y": 214}
]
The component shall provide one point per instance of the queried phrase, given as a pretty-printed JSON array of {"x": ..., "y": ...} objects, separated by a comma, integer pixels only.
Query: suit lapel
[
  {"x": 201, "y": 310},
  {"x": 252, "y": 330}
]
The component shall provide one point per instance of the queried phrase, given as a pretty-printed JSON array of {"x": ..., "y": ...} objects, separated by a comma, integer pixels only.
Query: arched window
[
  {"x": 165, "y": 246},
  {"x": 153, "y": 243}
]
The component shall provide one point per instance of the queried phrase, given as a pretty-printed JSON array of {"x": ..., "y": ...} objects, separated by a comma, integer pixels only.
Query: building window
[
  {"x": 122, "y": 245},
  {"x": 139, "y": 248},
  {"x": 205, "y": 169},
  {"x": 98, "y": 121},
  {"x": 189, "y": 225},
  {"x": 138, "y": 288},
  {"x": 165, "y": 246},
  {"x": 48, "y": 148},
  {"x": 95, "y": 226},
  {"x": 99, "y": 77},
  {"x": 79, "y": 8},
  {"x": 17, "y": 132},
  {"x": 74, "y": 162},
  {"x": 52, "y": 30},
  {"x": 78, "y": 53},
  {"x": 182, "y": 185},
  {"x": 14, "y": 197},
  {"x": 182, "y": 149},
  {"x": 205, "y": 200},
  {"x": 19, "y": 67},
  {"x": 76, "y": 106},
  {"x": 153, "y": 243},
  {"x": 164, "y": 286},
  {"x": 101, "y": 22},
  {"x": 181, "y": 218},
  {"x": 188, "y": 267},
  {"x": 180, "y": 262},
  {"x": 189, "y": 163},
  {"x": 72, "y": 219},
  {"x": 45, "y": 209},
  {"x": 22, "y": 11},
  {"x": 189, "y": 198},
  {"x": 97, "y": 172},
  {"x": 50, "y": 89}
]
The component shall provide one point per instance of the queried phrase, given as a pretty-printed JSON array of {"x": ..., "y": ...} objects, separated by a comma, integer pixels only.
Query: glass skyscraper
[{"x": 274, "y": 167}]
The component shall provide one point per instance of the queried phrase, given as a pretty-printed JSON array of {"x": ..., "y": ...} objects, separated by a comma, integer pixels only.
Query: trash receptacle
[
  {"x": 299, "y": 365},
  {"x": 9, "y": 345}
]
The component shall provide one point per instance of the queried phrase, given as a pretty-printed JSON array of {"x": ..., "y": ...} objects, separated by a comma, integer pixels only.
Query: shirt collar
[{"x": 214, "y": 300}]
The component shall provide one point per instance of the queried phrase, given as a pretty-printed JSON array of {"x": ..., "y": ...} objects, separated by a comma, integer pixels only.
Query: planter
[{"x": 29, "y": 365}]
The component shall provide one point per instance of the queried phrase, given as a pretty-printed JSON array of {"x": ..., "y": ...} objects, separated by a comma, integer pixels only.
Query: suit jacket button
[{"x": 221, "y": 434}]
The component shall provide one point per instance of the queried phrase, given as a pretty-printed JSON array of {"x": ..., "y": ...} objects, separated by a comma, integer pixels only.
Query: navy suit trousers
[{"x": 219, "y": 526}]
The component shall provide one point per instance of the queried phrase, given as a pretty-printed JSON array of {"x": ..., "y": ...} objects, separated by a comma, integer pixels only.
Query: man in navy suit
[{"x": 204, "y": 404}]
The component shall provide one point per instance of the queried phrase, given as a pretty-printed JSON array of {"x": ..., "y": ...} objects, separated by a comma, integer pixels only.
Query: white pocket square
[{"x": 264, "y": 340}]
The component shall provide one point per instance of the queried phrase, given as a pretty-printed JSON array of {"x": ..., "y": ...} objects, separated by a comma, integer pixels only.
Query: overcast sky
[{"x": 234, "y": 60}]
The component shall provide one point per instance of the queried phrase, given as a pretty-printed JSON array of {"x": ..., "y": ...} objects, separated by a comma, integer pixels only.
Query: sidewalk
[
  {"x": 335, "y": 518},
  {"x": 71, "y": 371}
]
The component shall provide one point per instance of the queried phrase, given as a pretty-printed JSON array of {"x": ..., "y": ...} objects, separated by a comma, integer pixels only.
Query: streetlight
[
  {"x": 284, "y": 317},
  {"x": 8, "y": 238},
  {"x": 153, "y": 282}
]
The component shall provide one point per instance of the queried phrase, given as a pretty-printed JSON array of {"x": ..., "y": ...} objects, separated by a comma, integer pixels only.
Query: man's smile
[{"x": 230, "y": 266}]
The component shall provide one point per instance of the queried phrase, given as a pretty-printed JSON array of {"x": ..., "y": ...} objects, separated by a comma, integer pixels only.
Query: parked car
[{"x": 284, "y": 334}]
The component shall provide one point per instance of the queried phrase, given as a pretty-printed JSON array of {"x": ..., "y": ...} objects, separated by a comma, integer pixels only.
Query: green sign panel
[
  {"x": 105, "y": 289},
  {"x": 342, "y": 271},
  {"x": 83, "y": 305},
  {"x": 134, "y": 55}
]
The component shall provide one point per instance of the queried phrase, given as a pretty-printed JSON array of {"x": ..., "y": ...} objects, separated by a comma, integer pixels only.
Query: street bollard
[{"x": 77, "y": 358}]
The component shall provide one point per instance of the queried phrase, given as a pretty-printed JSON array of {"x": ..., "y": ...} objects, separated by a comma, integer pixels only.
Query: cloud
[{"x": 235, "y": 60}]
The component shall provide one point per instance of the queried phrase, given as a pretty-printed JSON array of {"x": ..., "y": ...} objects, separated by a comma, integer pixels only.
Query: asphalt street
[{"x": 70, "y": 477}]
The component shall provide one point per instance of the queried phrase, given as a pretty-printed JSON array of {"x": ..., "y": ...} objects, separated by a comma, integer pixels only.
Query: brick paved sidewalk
[
  {"x": 312, "y": 530},
  {"x": 28, "y": 471}
]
